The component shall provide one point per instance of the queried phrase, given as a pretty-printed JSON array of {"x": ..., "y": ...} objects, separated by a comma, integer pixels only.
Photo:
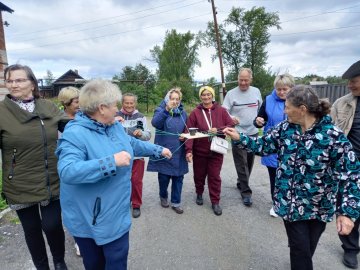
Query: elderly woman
[
  {"x": 270, "y": 114},
  {"x": 135, "y": 125},
  {"x": 317, "y": 167},
  {"x": 95, "y": 160},
  {"x": 28, "y": 133},
  {"x": 69, "y": 99},
  {"x": 211, "y": 118},
  {"x": 169, "y": 120}
]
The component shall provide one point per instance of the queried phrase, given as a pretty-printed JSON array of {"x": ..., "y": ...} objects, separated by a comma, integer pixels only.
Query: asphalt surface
[{"x": 241, "y": 238}]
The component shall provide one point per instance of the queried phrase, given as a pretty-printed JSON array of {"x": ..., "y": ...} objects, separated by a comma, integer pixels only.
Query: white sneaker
[
  {"x": 77, "y": 250},
  {"x": 272, "y": 213}
]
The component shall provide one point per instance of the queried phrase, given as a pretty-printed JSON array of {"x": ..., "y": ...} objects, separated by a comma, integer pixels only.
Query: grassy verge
[{"x": 3, "y": 204}]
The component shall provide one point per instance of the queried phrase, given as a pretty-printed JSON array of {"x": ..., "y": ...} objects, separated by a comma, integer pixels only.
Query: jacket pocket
[
  {"x": 12, "y": 165},
  {"x": 96, "y": 210}
]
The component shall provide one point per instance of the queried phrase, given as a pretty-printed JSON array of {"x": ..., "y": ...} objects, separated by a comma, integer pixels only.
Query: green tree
[
  {"x": 138, "y": 80},
  {"x": 244, "y": 37},
  {"x": 176, "y": 59},
  {"x": 49, "y": 78}
]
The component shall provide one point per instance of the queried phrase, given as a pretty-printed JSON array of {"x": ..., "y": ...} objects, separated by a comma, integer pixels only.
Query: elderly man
[
  {"x": 346, "y": 115},
  {"x": 243, "y": 103}
]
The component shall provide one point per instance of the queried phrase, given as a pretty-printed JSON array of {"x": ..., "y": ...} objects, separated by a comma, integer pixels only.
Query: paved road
[{"x": 242, "y": 238}]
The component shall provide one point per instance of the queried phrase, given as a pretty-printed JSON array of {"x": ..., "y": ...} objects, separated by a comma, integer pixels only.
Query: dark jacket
[
  {"x": 218, "y": 117},
  {"x": 28, "y": 142},
  {"x": 168, "y": 128}
]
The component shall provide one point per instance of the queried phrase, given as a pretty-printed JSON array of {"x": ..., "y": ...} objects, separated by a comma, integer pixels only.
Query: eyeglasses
[{"x": 16, "y": 81}]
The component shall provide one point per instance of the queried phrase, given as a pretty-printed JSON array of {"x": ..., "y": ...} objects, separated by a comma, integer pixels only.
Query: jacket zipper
[
  {"x": 13, "y": 164},
  {"x": 46, "y": 162},
  {"x": 96, "y": 210}
]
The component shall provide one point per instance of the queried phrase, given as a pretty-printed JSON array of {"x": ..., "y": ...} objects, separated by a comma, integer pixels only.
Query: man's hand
[
  {"x": 236, "y": 120},
  {"x": 344, "y": 225}
]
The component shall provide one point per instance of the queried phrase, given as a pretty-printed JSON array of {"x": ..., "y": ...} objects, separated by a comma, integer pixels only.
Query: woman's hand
[
  {"x": 122, "y": 159},
  {"x": 189, "y": 157},
  {"x": 260, "y": 121},
  {"x": 213, "y": 131},
  {"x": 119, "y": 118},
  {"x": 232, "y": 132},
  {"x": 166, "y": 153},
  {"x": 344, "y": 225}
]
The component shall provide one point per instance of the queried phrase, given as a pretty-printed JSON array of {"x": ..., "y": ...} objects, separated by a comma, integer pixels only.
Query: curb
[{"x": 5, "y": 211}]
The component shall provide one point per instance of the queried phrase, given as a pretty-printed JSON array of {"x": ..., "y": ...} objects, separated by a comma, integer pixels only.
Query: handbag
[{"x": 218, "y": 145}]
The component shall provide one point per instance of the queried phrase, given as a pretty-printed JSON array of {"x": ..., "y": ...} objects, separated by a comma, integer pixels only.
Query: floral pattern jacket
[{"x": 318, "y": 172}]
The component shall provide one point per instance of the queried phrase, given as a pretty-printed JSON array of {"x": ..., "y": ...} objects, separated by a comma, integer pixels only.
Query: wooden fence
[{"x": 331, "y": 91}]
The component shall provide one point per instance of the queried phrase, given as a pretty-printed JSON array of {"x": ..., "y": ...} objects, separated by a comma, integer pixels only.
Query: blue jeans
[
  {"x": 176, "y": 187},
  {"x": 110, "y": 256}
]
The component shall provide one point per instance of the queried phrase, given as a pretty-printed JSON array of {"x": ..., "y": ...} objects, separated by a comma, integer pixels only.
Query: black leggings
[
  {"x": 36, "y": 219},
  {"x": 272, "y": 176}
]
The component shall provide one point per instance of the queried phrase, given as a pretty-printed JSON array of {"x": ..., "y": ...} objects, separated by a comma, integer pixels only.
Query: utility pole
[{"x": 222, "y": 90}]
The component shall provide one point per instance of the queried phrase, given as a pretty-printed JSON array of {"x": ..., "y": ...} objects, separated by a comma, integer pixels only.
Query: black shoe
[
  {"x": 60, "y": 266},
  {"x": 217, "y": 209},
  {"x": 177, "y": 209},
  {"x": 247, "y": 201},
  {"x": 136, "y": 212},
  {"x": 350, "y": 260},
  {"x": 199, "y": 199}
]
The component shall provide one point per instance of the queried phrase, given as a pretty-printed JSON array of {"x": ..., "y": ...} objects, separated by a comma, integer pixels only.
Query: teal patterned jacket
[{"x": 315, "y": 169}]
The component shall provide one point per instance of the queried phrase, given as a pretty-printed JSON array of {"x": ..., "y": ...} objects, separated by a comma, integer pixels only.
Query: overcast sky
[{"x": 100, "y": 37}]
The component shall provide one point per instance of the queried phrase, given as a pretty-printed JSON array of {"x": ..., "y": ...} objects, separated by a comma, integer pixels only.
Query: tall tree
[
  {"x": 244, "y": 37},
  {"x": 49, "y": 78},
  {"x": 176, "y": 60},
  {"x": 138, "y": 80}
]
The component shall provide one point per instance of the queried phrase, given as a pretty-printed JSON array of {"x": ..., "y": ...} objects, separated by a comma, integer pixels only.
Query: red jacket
[{"x": 217, "y": 116}]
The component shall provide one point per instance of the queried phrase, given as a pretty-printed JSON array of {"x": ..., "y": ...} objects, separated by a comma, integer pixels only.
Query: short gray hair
[
  {"x": 284, "y": 80},
  {"x": 130, "y": 95},
  {"x": 248, "y": 70},
  {"x": 97, "y": 92}
]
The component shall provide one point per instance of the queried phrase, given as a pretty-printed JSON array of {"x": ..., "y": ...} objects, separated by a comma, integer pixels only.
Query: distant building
[{"x": 69, "y": 78}]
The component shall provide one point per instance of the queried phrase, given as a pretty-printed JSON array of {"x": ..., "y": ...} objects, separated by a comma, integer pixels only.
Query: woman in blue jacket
[
  {"x": 169, "y": 120},
  {"x": 95, "y": 160},
  {"x": 270, "y": 114}
]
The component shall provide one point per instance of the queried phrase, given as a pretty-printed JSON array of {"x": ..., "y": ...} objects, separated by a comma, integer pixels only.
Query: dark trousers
[
  {"x": 35, "y": 220},
  {"x": 111, "y": 256},
  {"x": 244, "y": 162},
  {"x": 303, "y": 237},
  {"x": 210, "y": 167},
  {"x": 350, "y": 243},
  {"x": 137, "y": 182},
  {"x": 272, "y": 176},
  {"x": 176, "y": 187}
]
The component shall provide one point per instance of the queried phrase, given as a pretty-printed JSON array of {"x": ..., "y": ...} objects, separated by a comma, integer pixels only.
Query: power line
[
  {"x": 94, "y": 21},
  {"x": 113, "y": 34},
  {"x": 133, "y": 19},
  {"x": 320, "y": 30},
  {"x": 318, "y": 14}
]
